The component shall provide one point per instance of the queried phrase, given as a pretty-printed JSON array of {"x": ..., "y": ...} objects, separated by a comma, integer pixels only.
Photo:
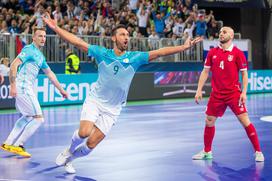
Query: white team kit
[
  {"x": 32, "y": 61},
  {"x": 108, "y": 94}
]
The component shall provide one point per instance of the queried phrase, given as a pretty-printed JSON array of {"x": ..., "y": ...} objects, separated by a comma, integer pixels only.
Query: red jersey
[{"x": 225, "y": 66}]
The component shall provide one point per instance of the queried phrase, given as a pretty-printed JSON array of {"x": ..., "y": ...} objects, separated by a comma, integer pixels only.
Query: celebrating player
[{"x": 116, "y": 68}]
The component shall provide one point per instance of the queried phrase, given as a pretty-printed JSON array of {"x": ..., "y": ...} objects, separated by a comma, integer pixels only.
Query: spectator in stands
[
  {"x": 188, "y": 32},
  {"x": 28, "y": 6},
  {"x": 57, "y": 14},
  {"x": 168, "y": 31},
  {"x": 143, "y": 15},
  {"x": 13, "y": 29},
  {"x": 4, "y": 28},
  {"x": 70, "y": 11},
  {"x": 107, "y": 31},
  {"x": 178, "y": 27},
  {"x": 153, "y": 40},
  {"x": 4, "y": 66},
  {"x": 159, "y": 19},
  {"x": 72, "y": 62},
  {"x": 133, "y": 5},
  {"x": 201, "y": 26},
  {"x": 8, "y": 19},
  {"x": 213, "y": 30},
  {"x": 37, "y": 18}
]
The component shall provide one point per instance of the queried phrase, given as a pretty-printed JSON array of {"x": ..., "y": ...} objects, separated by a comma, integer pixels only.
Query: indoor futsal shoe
[
  {"x": 19, "y": 150},
  {"x": 259, "y": 157},
  {"x": 69, "y": 168},
  {"x": 6, "y": 147},
  {"x": 202, "y": 155},
  {"x": 63, "y": 157}
]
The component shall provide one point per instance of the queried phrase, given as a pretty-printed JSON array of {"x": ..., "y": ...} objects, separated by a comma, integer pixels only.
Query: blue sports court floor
[{"x": 152, "y": 141}]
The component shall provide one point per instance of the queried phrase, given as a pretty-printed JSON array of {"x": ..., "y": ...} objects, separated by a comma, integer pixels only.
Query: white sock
[
  {"x": 17, "y": 130},
  {"x": 76, "y": 140},
  {"x": 81, "y": 151},
  {"x": 29, "y": 130}
]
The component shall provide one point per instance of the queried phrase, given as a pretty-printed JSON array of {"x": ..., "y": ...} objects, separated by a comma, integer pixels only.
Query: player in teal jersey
[
  {"x": 23, "y": 73},
  {"x": 116, "y": 68}
]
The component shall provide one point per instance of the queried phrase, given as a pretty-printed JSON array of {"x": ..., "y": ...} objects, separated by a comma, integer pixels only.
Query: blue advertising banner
[
  {"x": 259, "y": 81},
  {"x": 77, "y": 87}
]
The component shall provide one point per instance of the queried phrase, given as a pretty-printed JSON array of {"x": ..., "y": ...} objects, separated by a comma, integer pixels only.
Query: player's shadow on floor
[
  {"x": 47, "y": 170},
  {"x": 9, "y": 156},
  {"x": 74, "y": 177},
  {"x": 214, "y": 171},
  {"x": 64, "y": 176}
]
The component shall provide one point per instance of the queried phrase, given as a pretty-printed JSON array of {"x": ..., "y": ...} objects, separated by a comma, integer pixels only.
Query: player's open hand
[
  {"x": 191, "y": 42},
  {"x": 1, "y": 79},
  {"x": 52, "y": 23},
  {"x": 242, "y": 99},
  {"x": 198, "y": 96}
]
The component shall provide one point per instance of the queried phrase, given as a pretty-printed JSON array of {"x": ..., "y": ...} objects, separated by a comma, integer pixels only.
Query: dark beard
[{"x": 120, "y": 47}]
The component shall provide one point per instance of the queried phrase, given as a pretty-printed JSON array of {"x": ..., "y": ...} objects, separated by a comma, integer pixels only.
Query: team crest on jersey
[
  {"x": 22, "y": 54},
  {"x": 230, "y": 58},
  {"x": 126, "y": 60}
]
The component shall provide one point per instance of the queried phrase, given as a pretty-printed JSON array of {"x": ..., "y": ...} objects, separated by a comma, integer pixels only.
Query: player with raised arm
[{"x": 116, "y": 68}]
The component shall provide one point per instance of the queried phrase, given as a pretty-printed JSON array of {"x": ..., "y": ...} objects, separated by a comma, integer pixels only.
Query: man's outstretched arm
[
  {"x": 52, "y": 77},
  {"x": 71, "y": 38},
  {"x": 173, "y": 49}
]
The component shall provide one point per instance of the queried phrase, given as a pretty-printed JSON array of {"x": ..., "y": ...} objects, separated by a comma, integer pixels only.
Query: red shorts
[{"x": 217, "y": 104}]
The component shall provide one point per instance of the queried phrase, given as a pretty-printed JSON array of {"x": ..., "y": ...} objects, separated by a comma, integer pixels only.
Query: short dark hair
[{"x": 116, "y": 28}]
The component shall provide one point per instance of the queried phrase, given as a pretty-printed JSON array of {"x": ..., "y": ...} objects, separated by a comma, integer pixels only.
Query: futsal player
[{"x": 116, "y": 68}]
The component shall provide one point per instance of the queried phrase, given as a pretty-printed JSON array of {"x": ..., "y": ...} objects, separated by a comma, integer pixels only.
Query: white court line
[{"x": 266, "y": 118}]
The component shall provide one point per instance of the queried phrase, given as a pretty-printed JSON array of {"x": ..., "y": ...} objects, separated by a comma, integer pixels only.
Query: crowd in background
[{"x": 144, "y": 18}]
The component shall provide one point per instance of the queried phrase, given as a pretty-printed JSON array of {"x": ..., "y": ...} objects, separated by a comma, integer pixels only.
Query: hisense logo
[
  {"x": 258, "y": 83},
  {"x": 51, "y": 94}
]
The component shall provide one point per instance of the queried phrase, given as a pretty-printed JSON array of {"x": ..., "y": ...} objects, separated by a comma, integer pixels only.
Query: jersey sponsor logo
[
  {"x": 126, "y": 60},
  {"x": 214, "y": 57},
  {"x": 230, "y": 58}
]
